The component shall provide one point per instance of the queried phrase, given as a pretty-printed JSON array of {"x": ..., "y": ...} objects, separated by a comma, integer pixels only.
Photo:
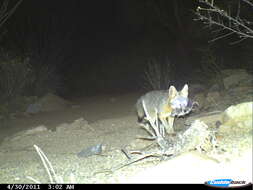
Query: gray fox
[{"x": 168, "y": 103}]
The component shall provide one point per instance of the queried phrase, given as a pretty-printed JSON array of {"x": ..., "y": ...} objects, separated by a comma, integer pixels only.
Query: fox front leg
[
  {"x": 170, "y": 129},
  {"x": 168, "y": 124}
]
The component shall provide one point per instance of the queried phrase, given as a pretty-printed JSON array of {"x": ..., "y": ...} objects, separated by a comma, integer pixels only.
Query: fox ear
[
  {"x": 184, "y": 91},
  {"x": 172, "y": 92}
]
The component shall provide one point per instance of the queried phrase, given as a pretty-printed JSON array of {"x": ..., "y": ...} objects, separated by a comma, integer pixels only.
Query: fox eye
[{"x": 180, "y": 102}]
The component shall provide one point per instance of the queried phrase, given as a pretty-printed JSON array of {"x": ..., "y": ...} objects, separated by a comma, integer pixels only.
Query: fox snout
[{"x": 182, "y": 106}]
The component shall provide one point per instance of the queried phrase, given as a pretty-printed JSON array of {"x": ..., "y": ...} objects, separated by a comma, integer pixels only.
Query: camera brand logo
[{"x": 227, "y": 183}]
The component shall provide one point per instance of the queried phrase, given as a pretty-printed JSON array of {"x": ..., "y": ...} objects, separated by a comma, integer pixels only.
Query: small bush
[
  {"x": 158, "y": 74},
  {"x": 210, "y": 68},
  {"x": 4, "y": 112},
  {"x": 15, "y": 75},
  {"x": 45, "y": 80}
]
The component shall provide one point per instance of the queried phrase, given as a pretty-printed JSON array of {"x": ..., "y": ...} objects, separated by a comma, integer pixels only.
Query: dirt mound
[{"x": 51, "y": 102}]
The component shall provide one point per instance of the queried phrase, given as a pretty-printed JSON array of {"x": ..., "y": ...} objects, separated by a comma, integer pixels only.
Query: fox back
[{"x": 157, "y": 99}]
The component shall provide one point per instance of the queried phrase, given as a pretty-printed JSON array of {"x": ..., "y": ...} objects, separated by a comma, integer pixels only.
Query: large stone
[
  {"x": 237, "y": 118},
  {"x": 238, "y": 112}
]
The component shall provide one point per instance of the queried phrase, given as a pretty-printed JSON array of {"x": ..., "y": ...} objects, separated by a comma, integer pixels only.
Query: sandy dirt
[{"x": 107, "y": 120}]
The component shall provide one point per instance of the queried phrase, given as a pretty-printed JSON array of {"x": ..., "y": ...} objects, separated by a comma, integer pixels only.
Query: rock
[
  {"x": 229, "y": 72},
  {"x": 237, "y": 118},
  {"x": 75, "y": 106},
  {"x": 211, "y": 119},
  {"x": 212, "y": 97},
  {"x": 90, "y": 151},
  {"x": 51, "y": 102},
  {"x": 238, "y": 112},
  {"x": 241, "y": 78},
  {"x": 76, "y": 125},
  {"x": 79, "y": 124},
  {"x": 22, "y": 134},
  {"x": 241, "y": 90},
  {"x": 181, "y": 169},
  {"x": 33, "y": 108},
  {"x": 62, "y": 127},
  {"x": 200, "y": 98},
  {"x": 196, "y": 89},
  {"x": 35, "y": 130},
  {"x": 214, "y": 88}
]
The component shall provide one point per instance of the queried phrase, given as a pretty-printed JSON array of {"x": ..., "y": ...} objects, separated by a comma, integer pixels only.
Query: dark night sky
[{"x": 104, "y": 45}]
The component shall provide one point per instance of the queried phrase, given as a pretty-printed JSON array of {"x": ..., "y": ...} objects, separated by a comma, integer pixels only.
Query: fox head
[
  {"x": 173, "y": 92},
  {"x": 178, "y": 101}
]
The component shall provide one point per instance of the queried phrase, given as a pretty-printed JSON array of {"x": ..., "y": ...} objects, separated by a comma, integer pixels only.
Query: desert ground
[{"x": 67, "y": 137}]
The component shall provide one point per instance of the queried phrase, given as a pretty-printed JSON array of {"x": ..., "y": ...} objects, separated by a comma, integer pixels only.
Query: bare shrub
[
  {"x": 45, "y": 80},
  {"x": 231, "y": 17},
  {"x": 211, "y": 67},
  {"x": 158, "y": 74},
  {"x": 5, "y": 13},
  {"x": 16, "y": 74}
]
